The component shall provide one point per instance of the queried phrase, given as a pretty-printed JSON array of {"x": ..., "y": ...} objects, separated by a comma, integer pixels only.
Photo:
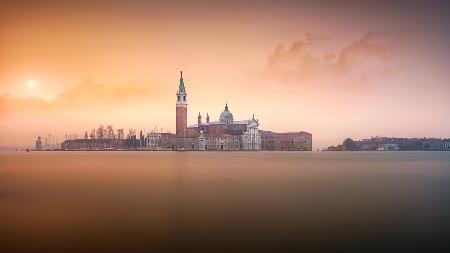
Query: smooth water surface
[{"x": 223, "y": 201}]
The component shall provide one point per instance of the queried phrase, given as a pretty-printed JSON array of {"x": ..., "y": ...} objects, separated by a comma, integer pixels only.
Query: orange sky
[{"x": 336, "y": 70}]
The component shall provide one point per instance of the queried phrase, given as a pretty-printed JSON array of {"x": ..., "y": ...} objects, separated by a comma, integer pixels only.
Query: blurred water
[{"x": 223, "y": 201}]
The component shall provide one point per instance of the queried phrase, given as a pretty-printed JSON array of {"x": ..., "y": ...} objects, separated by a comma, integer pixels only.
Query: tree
[
  {"x": 92, "y": 135},
  {"x": 120, "y": 133},
  {"x": 85, "y": 135},
  {"x": 100, "y": 132},
  {"x": 110, "y": 132},
  {"x": 131, "y": 141},
  {"x": 131, "y": 133},
  {"x": 349, "y": 145}
]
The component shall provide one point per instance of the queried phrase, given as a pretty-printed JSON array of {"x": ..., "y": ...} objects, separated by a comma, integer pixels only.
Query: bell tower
[{"x": 181, "y": 124}]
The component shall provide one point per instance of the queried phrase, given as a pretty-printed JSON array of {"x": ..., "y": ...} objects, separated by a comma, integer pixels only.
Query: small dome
[{"x": 226, "y": 116}]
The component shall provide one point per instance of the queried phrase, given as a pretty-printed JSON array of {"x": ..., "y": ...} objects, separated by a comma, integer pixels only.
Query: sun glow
[{"x": 31, "y": 84}]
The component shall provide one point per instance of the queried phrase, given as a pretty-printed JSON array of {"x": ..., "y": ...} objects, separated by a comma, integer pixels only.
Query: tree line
[{"x": 108, "y": 132}]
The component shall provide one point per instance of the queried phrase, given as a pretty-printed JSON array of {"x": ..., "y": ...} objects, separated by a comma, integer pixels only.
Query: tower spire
[
  {"x": 226, "y": 106},
  {"x": 181, "y": 88}
]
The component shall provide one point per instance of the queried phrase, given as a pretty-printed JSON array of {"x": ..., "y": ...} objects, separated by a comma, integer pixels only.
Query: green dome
[{"x": 226, "y": 116}]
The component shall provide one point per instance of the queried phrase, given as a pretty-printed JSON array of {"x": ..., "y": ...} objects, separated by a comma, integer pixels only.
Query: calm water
[{"x": 231, "y": 201}]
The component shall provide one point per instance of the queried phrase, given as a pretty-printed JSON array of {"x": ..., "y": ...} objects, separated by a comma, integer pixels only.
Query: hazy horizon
[{"x": 351, "y": 69}]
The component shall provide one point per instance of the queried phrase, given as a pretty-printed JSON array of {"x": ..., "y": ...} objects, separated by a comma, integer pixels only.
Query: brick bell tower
[{"x": 181, "y": 108}]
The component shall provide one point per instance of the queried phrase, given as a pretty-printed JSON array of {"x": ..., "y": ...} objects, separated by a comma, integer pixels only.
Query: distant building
[
  {"x": 154, "y": 140},
  {"x": 399, "y": 144},
  {"x": 39, "y": 143},
  {"x": 388, "y": 147},
  {"x": 295, "y": 141},
  {"x": 98, "y": 144},
  {"x": 440, "y": 145},
  {"x": 331, "y": 148}
]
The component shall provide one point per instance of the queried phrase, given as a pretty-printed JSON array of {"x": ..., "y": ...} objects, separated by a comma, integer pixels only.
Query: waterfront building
[
  {"x": 398, "y": 144},
  {"x": 154, "y": 140},
  {"x": 389, "y": 147},
  {"x": 98, "y": 144},
  {"x": 39, "y": 143},
  {"x": 225, "y": 134},
  {"x": 440, "y": 145},
  {"x": 293, "y": 141},
  {"x": 222, "y": 142}
]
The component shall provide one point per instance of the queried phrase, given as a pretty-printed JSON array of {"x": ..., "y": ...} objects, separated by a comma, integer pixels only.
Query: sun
[{"x": 31, "y": 83}]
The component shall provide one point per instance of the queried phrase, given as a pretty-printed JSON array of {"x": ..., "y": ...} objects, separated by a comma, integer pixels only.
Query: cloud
[
  {"x": 303, "y": 64},
  {"x": 85, "y": 95},
  {"x": 371, "y": 57},
  {"x": 17, "y": 106}
]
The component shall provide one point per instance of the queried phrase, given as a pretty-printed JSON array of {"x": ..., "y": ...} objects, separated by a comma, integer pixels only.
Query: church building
[{"x": 224, "y": 134}]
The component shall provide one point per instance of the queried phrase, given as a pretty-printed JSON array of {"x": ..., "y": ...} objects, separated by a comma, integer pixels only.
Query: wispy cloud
[
  {"x": 85, "y": 95},
  {"x": 368, "y": 58}
]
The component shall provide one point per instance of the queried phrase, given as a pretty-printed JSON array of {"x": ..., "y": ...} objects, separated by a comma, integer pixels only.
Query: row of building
[
  {"x": 393, "y": 144},
  {"x": 224, "y": 134}
]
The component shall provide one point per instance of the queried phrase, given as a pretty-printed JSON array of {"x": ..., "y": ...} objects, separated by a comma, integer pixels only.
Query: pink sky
[{"x": 335, "y": 70}]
